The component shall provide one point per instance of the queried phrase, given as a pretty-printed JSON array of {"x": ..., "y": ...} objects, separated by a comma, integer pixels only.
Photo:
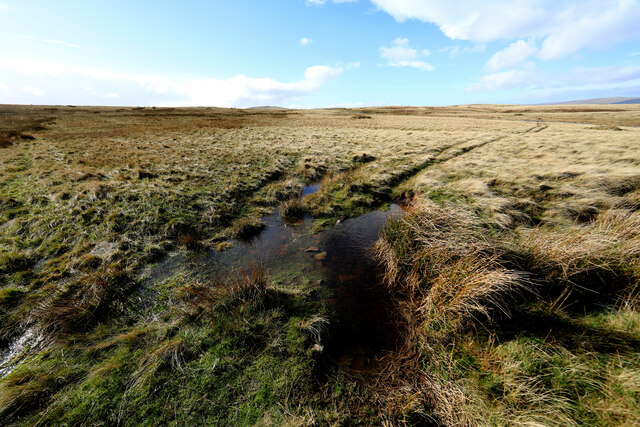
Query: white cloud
[
  {"x": 351, "y": 65},
  {"x": 457, "y": 50},
  {"x": 3, "y": 7},
  {"x": 33, "y": 90},
  {"x": 112, "y": 95},
  {"x": 535, "y": 83},
  {"x": 505, "y": 80},
  {"x": 401, "y": 54},
  {"x": 340, "y": 105},
  {"x": 565, "y": 26},
  {"x": 65, "y": 84},
  {"x": 634, "y": 54},
  {"x": 515, "y": 54},
  {"x": 305, "y": 41},
  {"x": 3, "y": 88},
  {"x": 61, "y": 43}
]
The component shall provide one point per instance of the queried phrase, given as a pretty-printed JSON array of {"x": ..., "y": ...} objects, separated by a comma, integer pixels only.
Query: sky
[{"x": 317, "y": 53}]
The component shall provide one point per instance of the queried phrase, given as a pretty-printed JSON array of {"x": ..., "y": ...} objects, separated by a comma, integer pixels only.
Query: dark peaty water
[{"x": 341, "y": 257}]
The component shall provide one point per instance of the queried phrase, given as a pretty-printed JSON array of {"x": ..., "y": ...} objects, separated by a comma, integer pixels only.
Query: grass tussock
[
  {"x": 247, "y": 228},
  {"x": 81, "y": 303},
  {"x": 438, "y": 261},
  {"x": 247, "y": 287},
  {"x": 293, "y": 210},
  {"x": 460, "y": 289}
]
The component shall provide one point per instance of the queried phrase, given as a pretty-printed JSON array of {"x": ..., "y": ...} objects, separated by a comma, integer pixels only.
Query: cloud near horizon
[
  {"x": 541, "y": 85},
  {"x": 28, "y": 81}
]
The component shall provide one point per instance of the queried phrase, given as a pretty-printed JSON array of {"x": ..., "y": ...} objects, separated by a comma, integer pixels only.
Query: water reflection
[{"x": 341, "y": 256}]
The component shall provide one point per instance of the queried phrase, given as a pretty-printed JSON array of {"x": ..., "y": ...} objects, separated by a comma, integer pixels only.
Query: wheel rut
[{"x": 454, "y": 151}]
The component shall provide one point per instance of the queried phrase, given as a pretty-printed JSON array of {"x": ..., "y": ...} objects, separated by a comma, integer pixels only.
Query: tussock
[
  {"x": 247, "y": 287},
  {"x": 438, "y": 260},
  {"x": 83, "y": 302},
  {"x": 293, "y": 210}
]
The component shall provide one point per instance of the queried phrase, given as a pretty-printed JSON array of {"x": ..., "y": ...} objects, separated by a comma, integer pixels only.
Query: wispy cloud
[
  {"x": 3, "y": 7},
  {"x": 305, "y": 41},
  {"x": 515, "y": 54},
  {"x": 401, "y": 54},
  {"x": 564, "y": 26},
  {"x": 457, "y": 50},
  {"x": 534, "y": 82},
  {"x": 61, "y": 43},
  {"x": 320, "y": 2},
  {"x": 72, "y": 84}
]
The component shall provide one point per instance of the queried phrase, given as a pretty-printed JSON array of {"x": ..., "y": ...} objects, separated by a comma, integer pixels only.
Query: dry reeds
[
  {"x": 292, "y": 210},
  {"x": 246, "y": 287},
  {"x": 84, "y": 301},
  {"x": 439, "y": 262}
]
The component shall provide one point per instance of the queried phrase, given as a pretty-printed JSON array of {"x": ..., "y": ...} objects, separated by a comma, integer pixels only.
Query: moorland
[{"x": 197, "y": 266}]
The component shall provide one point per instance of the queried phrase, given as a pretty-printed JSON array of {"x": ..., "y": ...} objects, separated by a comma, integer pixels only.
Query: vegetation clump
[
  {"x": 293, "y": 210},
  {"x": 465, "y": 295}
]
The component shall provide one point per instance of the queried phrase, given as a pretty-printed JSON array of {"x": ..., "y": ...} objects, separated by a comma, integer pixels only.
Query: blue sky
[{"x": 317, "y": 53}]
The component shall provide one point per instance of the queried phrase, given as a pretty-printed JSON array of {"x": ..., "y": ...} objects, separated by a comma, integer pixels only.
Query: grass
[
  {"x": 519, "y": 326},
  {"x": 514, "y": 271}
]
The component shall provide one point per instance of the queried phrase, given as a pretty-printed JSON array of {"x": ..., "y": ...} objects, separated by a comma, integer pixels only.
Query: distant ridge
[
  {"x": 266, "y": 107},
  {"x": 611, "y": 100}
]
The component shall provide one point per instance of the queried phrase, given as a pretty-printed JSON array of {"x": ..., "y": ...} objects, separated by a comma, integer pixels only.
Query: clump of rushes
[
  {"x": 293, "y": 211},
  {"x": 85, "y": 300},
  {"x": 247, "y": 287},
  {"x": 246, "y": 228},
  {"x": 190, "y": 241},
  {"x": 440, "y": 263}
]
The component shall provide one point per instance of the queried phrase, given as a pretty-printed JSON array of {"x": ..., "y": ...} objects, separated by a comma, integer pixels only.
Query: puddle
[
  {"x": 10, "y": 358},
  {"x": 310, "y": 189},
  {"x": 341, "y": 257}
]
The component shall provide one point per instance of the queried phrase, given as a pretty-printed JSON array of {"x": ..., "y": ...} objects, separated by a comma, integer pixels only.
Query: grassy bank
[{"x": 513, "y": 325}]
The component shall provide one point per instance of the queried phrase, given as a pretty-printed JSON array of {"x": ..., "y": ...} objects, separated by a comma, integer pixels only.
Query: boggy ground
[{"x": 509, "y": 207}]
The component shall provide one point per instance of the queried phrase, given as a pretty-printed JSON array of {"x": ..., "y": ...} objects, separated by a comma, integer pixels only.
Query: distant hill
[
  {"x": 266, "y": 107},
  {"x": 630, "y": 101},
  {"x": 611, "y": 100}
]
